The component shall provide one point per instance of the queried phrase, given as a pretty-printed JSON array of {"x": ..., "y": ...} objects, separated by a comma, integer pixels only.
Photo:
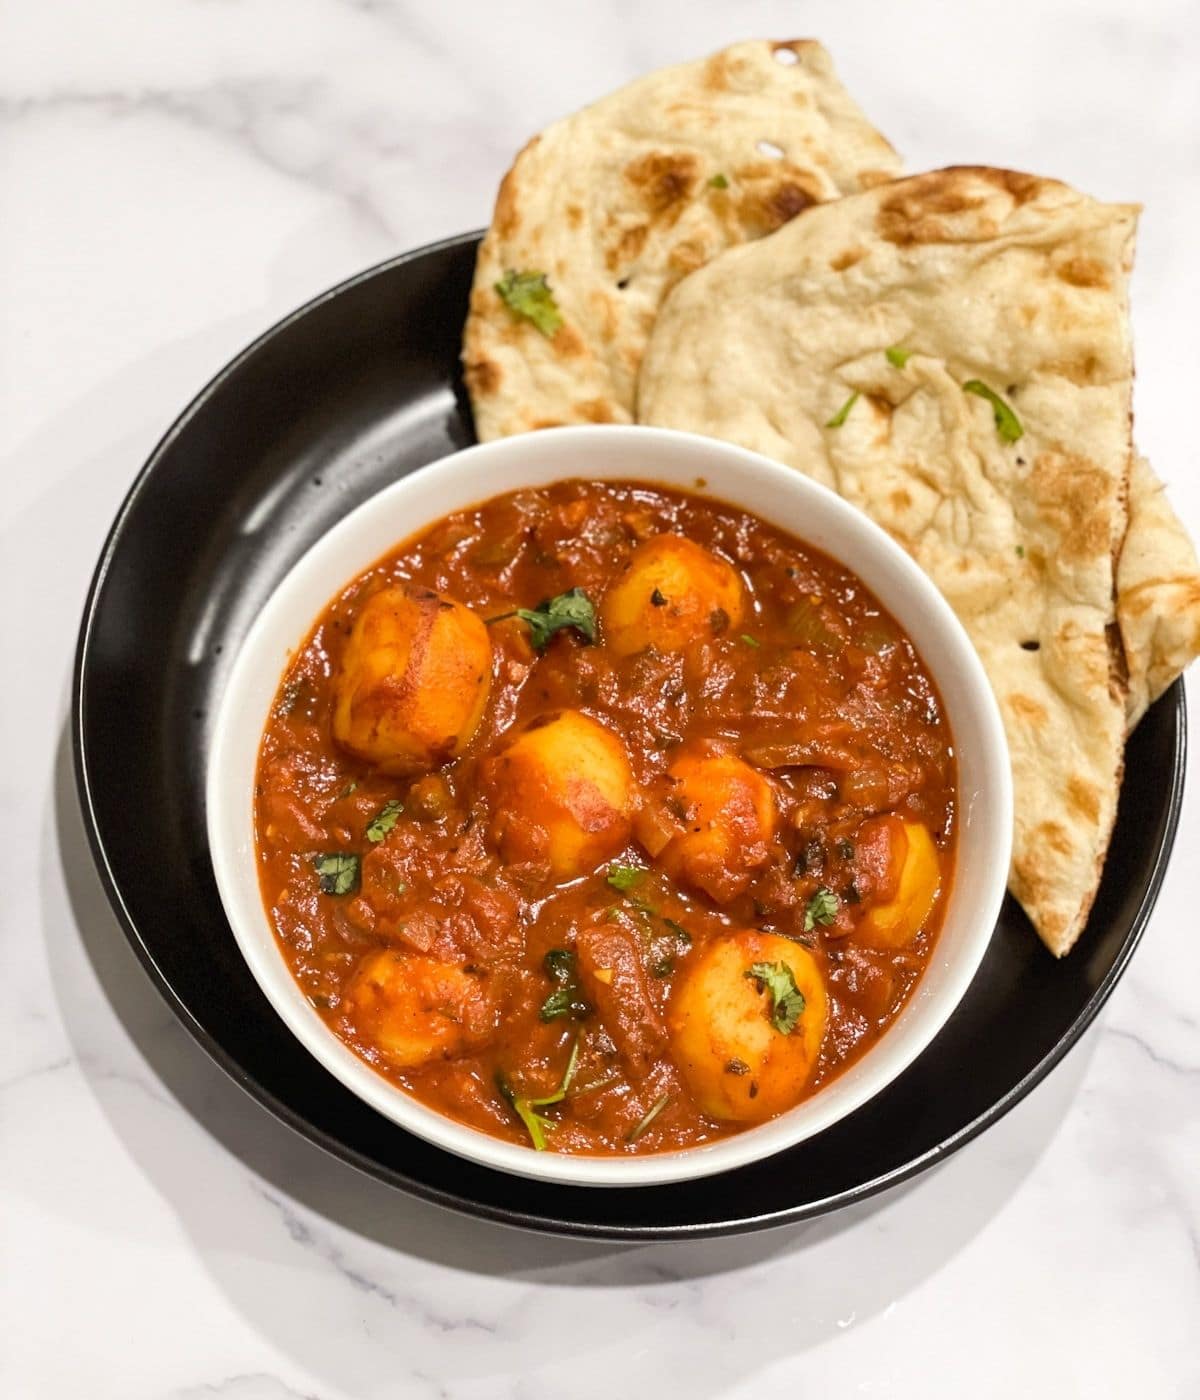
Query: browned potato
[
  {"x": 560, "y": 792},
  {"x": 413, "y": 680},
  {"x": 725, "y": 1026},
  {"x": 728, "y": 813},
  {"x": 417, "y": 1009},
  {"x": 917, "y": 877},
  {"x": 672, "y": 593}
]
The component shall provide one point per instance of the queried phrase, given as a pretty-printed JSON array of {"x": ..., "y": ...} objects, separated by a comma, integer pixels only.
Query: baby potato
[
  {"x": 737, "y": 1064},
  {"x": 413, "y": 680},
  {"x": 415, "y": 1009},
  {"x": 560, "y": 792},
  {"x": 917, "y": 876},
  {"x": 672, "y": 592},
  {"x": 730, "y": 815}
]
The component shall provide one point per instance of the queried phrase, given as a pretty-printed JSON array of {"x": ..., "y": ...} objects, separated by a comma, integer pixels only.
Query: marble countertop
[{"x": 176, "y": 175}]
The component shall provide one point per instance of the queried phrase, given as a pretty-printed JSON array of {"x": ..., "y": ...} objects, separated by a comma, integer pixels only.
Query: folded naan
[
  {"x": 1158, "y": 594},
  {"x": 607, "y": 209},
  {"x": 993, "y": 442}
]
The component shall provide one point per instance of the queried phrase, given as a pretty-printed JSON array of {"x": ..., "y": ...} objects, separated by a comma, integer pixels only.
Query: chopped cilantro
[
  {"x": 384, "y": 820},
  {"x": 1008, "y": 425},
  {"x": 571, "y": 609},
  {"x": 1020, "y": 551},
  {"x": 750, "y": 641},
  {"x": 559, "y": 964},
  {"x": 537, "y": 1125},
  {"x": 684, "y": 937},
  {"x": 787, "y": 1001},
  {"x": 624, "y": 877},
  {"x": 844, "y": 412},
  {"x": 528, "y": 294},
  {"x": 897, "y": 355},
  {"x": 635, "y": 1133},
  {"x": 566, "y": 999},
  {"x": 718, "y": 181},
  {"x": 822, "y": 909},
  {"x": 339, "y": 872}
]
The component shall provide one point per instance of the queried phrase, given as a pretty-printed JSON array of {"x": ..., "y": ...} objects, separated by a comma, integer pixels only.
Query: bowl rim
[{"x": 265, "y": 960}]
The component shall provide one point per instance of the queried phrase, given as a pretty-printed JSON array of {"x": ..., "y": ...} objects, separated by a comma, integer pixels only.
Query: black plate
[{"x": 335, "y": 402}]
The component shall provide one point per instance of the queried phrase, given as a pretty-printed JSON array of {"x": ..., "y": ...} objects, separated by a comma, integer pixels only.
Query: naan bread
[
  {"x": 1158, "y": 593},
  {"x": 984, "y": 275},
  {"x": 618, "y": 202}
]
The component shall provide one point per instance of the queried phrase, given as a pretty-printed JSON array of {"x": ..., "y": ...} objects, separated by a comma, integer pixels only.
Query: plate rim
[{"x": 548, "y": 1224}]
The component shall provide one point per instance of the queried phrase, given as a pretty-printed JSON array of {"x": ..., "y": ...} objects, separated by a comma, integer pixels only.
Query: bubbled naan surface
[
  {"x": 983, "y": 274},
  {"x": 614, "y": 205}
]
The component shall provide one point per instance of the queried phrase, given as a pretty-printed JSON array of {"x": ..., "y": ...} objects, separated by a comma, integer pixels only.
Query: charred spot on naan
[
  {"x": 1078, "y": 270},
  {"x": 506, "y": 218},
  {"x": 568, "y": 342},
  {"x": 1029, "y": 711},
  {"x": 686, "y": 257},
  {"x": 626, "y": 246},
  {"x": 664, "y": 180},
  {"x": 1082, "y": 369},
  {"x": 766, "y": 194},
  {"x": 850, "y": 258},
  {"x": 1075, "y": 498},
  {"x": 483, "y": 376},
  {"x": 951, "y": 205},
  {"x": 1084, "y": 798}
]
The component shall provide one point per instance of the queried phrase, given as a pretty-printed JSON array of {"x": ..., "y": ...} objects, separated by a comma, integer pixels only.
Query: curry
[{"x": 606, "y": 818}]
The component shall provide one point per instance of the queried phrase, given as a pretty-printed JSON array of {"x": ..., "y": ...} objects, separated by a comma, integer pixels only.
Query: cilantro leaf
[
  {"x": 844, "y": 412},
  {"x": 383, "y": 820},
  {"x": 625, "y": 877},
  {"x": 568, "y": 1075},
  {"x": 750, "y": 640},
  {"x": 897, "y": 355},
  {"x": 537, "y": 1125},
  {"x": 718, "y": 181},
  {"x": 659, "y": 1105},
  {"x": 787, "y": 1001},
  {"x": 571, "y": 609},
  {"x": 1008, "y": 425},
  {"x": 338, "y": 872},
  {"x": 684, "y": 937},
  {"x": 528, "y": 294},
  {"x": 822, "y": 909},
  {"x": 566, "y": 999},
  {"x": 559, "y": 964}
]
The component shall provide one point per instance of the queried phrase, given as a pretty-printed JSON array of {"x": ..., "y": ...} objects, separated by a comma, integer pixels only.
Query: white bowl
[{"x": 790, "y": 501}]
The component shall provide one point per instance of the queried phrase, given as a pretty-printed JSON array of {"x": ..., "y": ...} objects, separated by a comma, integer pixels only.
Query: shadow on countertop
[{"x": 908, "y": 1233}]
